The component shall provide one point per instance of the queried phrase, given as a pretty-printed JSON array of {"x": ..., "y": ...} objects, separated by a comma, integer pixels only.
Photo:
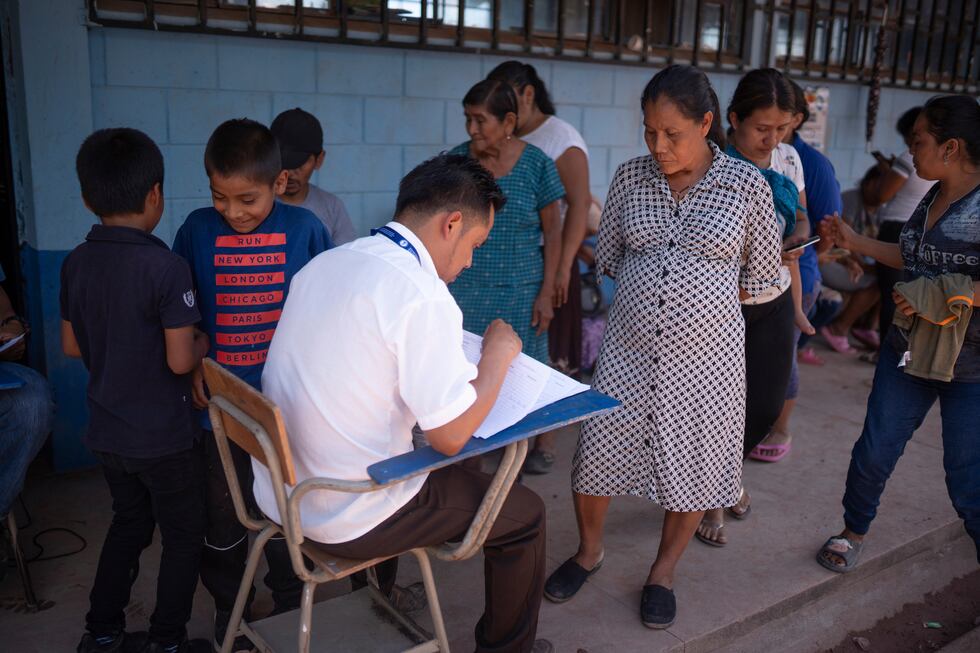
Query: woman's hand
[
  {"x": 839, "y": 231},
  {"x": 789, "y": 257},
  {"x": 854, "y": 269},
  {"x": 543, "y": 311},
  {"x": 902, "y": 304}
]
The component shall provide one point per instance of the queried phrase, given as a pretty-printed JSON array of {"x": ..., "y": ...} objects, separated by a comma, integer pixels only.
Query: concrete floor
[{"x": 762, "y": 592}]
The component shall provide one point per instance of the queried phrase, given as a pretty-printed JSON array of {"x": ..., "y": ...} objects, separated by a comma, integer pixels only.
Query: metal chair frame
[{"x": 328, "y": 568}]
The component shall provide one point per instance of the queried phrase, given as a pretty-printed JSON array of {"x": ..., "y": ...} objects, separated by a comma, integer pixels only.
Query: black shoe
[
  {"x": 658, "y": 607},
  {"x": 242, "y": 644},
  {"x": 567, "y": 580},
  {"x": 111, "y": 643}
]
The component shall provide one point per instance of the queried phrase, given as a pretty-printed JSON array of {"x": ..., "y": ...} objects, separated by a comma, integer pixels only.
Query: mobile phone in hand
[{"x": 812, "y": 240}]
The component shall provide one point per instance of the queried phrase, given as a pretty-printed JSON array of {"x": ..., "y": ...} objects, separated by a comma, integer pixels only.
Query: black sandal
[
  {"x": 567, "y": 580},
  {"x": 658, "y": 607}
]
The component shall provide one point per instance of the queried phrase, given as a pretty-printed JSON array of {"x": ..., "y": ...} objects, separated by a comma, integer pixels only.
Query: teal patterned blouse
[{"x": 512, "y": 254}]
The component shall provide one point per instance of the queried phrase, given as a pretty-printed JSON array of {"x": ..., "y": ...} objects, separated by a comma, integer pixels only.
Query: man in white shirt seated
[{"x": 368, "y": 345}]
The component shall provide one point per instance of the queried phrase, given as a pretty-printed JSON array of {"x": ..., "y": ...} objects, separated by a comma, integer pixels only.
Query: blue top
[
  {"x": 120, "y": 289},
  {"x": 952, "y": 245},
  {"x": 242, "y": 279},
  {"x": 822, "y": 198}
]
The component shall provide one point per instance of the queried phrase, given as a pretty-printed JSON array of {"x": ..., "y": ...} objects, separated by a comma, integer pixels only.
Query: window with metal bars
[{"x": 928, "y": 43}]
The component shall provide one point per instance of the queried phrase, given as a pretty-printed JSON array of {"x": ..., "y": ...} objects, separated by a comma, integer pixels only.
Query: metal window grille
[{"x": 930, "y": 43}]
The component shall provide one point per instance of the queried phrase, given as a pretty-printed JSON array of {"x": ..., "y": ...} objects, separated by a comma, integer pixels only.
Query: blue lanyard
[{"x": 396, "y": 238}]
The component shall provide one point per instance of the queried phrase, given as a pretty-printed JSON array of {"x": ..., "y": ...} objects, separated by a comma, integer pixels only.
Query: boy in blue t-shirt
[
  {"x": 243, "y": 253},
  {"x": 128, "y": 311}
]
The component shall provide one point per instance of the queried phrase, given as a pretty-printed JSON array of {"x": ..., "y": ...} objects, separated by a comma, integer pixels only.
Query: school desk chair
[{"x": 242, "y": 414}]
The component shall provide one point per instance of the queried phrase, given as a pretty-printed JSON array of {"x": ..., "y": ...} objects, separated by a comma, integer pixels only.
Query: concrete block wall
[{"x": 383, "y": 110}]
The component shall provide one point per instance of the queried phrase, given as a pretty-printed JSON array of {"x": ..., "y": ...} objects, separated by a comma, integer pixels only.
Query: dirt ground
[{"x": 956, "y": 608}]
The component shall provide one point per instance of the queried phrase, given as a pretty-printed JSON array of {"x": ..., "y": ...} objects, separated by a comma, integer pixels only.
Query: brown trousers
[{"x": 514, "y": 553}]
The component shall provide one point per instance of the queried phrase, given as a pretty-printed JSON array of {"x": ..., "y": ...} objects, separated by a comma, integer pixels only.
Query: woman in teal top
[{"x": 513, "y": 274}]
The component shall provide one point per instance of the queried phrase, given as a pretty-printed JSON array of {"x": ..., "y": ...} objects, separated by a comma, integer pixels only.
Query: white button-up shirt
[{"x": 369, "y": 343}]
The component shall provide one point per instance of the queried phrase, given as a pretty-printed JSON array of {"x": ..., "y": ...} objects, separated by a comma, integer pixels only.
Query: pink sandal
[
  {"x": 807, "y": 356},
  {"x": 837, "y": 343},
  {"x": 867, "y": 337},
  {"x": 759, "y": 452}
]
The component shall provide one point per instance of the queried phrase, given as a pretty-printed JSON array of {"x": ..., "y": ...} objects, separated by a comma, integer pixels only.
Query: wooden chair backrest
[{"x": 253, "y": 403}]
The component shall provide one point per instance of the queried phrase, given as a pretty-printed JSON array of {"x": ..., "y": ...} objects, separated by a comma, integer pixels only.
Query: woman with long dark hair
[
  {"x": 686, "y": 231},
  {"x": 940, "y": 239}
]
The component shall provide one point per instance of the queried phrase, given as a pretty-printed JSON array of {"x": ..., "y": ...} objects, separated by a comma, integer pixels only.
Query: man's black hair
[
  {"x": 907, "y": 121},
  {"x": 448, "y": 182},
  {"x": 243, "y": 148},
  {"x": 117, "y": 169}
]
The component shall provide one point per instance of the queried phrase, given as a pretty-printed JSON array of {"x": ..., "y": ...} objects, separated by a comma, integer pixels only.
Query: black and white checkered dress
[{"x": 673, "y": 351}]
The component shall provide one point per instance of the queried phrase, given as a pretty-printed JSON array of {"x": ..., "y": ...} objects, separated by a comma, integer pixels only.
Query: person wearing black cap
[{"x": 301, "y": 143}]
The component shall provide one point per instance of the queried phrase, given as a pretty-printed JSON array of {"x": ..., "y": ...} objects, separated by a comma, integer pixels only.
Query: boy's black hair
[
  {"x": 243, "y": 148},
  {"x": 117, "y": 168},
  {"x": 802, "y": 106},
  {"x": 448, "y": 182}
]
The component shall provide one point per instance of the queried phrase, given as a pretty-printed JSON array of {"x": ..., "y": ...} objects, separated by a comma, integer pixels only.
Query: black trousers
[
  {"x": 887, "y": 278},
  {"x": 769, "y": 350},
  {"x": 226, "y": 545},
  {"x": 168, "y": 492},
  {"x": 514, "y": 553}
]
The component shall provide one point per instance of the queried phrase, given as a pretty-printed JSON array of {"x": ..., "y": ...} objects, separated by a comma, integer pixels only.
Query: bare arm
[
  {"x": 186, "y": 346},
  {"x": 889, "y": 254},
  {"x": 11, "y": 329},
  {"x": 500, "y": 346},
  {"x": 573, "y": 168},
  {"x": 69, "y": 344},
  {"x": 544, "y": 305},
  {"x": 800, "y": 232}
]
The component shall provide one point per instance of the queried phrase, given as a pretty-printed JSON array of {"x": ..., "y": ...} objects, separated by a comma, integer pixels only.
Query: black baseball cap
[{"x": 300, "y": 137}]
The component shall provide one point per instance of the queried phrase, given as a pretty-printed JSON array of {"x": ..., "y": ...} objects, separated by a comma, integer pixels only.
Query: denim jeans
[
  {"x": 167, "y": 492},
  {"x": 896, "y": 408},
  {"x": 26, "y": 414}
]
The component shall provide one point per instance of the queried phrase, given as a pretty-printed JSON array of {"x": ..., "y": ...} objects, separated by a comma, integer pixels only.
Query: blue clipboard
[{"x": 553, "y": 416}]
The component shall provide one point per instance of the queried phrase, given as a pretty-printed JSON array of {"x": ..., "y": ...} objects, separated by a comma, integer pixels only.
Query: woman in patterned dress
[
  {"x": 512, "y": 276},
  {"x": 686, "y": 232}
]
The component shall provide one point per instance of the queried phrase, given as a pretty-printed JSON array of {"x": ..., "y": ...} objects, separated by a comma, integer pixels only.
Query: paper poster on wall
[{"x": 814, "y": 130}]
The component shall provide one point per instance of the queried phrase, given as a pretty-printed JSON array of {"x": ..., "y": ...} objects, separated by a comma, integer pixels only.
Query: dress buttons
[
  {"x": 660, "y": 332},
  {"x": 670, "y": 244},
  {"x": 663, "y": 275},
  {"x": 662, "y": 301},
  {"x": 650, "y": 417},
  {"x": 648, "y": 442}
]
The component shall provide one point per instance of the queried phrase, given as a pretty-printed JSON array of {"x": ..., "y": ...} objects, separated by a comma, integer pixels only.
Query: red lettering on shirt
[
  {"x": 250, "y": 240},
  {"x": 244, "y": 319},
  {"x": 248, "y": 299},
  {"x": 276, "y": 258},
  {"x": 239, "y": 339},
  {"x": 250, "y": 279},
  {"x": 242, "y": 358}
]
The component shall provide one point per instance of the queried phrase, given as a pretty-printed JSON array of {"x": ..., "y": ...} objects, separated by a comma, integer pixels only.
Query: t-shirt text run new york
[{"x": 242, "y": 279}]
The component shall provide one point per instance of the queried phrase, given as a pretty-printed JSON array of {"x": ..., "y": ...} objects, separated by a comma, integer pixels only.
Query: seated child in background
[
  {"x": 243, "y": 252},
  {"x": 301, "y": 143},
  {"x": 128, "y": 310}
]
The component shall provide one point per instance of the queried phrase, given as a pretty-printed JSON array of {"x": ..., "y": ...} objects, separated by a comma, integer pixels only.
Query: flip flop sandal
[
  {"x": 837, "y": 343},
  {"x": 758, "y": 453},
  {"x": 658, "y": 607},
  {"x": 868, "y": 338},
  {"x": 567, "y": 580},
  {"x": 850, "y": 555},
  {"x": 716, "y": 529},
  {"x": 740, "y": 515}
]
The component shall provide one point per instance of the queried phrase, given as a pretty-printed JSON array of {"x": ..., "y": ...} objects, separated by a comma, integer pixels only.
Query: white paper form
[{"x": 529, "y": 385}]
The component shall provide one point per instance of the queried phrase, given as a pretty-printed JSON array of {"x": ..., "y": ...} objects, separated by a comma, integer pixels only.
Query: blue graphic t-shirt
[
  {"x": 242, "y": 279},
  {"x": 952, "y": 245}
]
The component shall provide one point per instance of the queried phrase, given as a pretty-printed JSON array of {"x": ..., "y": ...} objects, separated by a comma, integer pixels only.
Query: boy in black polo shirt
[{"x": 128, "y": 310}]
